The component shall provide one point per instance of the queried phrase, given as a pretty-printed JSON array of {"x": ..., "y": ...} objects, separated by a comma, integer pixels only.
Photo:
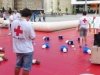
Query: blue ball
[
  {"x": 62, "y": 48},
  {"x": 60, "y": 37},
  {"x": 85, "y": 49},
  {"x": 47, "y": 38},
  {"x": 71, "y": 42},
  {"x": 47, "y": 45}
]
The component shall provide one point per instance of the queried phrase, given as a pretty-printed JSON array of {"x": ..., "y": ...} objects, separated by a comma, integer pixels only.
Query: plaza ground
[{"x": 53, "y": 61}]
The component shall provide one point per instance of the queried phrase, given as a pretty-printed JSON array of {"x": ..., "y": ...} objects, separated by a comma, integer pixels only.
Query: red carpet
[{"x": 53, "y": 62}]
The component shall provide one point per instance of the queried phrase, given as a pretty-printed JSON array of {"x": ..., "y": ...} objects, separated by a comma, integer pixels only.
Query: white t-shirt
[
  {"x": 22, "y": 35},
  {"x": 16, "y": 16},
  {"x": 4, "y": 16},
  {"x": 95, "y": 23},
  {"x": 11, "y": 18},
  {"x": 84, "y": 22}
]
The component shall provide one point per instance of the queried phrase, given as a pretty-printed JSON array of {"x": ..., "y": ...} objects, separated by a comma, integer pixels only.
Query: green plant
[
  {"x": 66, "y": 9},
  {"x": 3, "y": 9},
  {"x": 59, "y": 9},
  {"x": 10, "y": 9},
  {"x": 74, "y": 10}
]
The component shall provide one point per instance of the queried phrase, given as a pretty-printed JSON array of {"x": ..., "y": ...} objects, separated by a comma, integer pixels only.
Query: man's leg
[
  {"x": 81, "y": 41},
  {"x": 85, "y": 36},
  {"x": 85, "y": 40},
  {"x": 19, "y": 63},
  {"x": 25, "y": 72},
  {"x": 27, "y": 63},
  {"x": 17, "y": 71},
  {"x": 81, "y": 37}
]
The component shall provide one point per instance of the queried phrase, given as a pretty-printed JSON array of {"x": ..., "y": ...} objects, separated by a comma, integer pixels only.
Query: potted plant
[
  {"x": 3, "y": 9},
  {"x": 59, "y": 11},
  {"x": 66, "y": 9},
  {"x": 10, "y": 9},
  {"x": 74, "y": 10}
]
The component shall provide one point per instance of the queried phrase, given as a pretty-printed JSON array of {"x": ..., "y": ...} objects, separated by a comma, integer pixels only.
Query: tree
[
  {"x": 3, "y": 9},
  {"x": 58, "y": 10},
  {"x": 66, "y": 9},
  {"x": 10, "y": 9},
  {"x": 74, "y": 10}
]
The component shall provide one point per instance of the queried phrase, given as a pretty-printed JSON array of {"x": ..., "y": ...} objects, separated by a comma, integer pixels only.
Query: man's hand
[{"x": 78, "y": 30}]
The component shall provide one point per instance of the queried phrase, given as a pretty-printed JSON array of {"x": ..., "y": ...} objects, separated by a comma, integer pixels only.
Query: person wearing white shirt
[
  {"x": 11, "y": 20},
  {"x": 16, "y": 15},
  {"x": 22, "y": 36},
  {"x": 4, "y": 15},
  {"x": 83, "y": 28}
]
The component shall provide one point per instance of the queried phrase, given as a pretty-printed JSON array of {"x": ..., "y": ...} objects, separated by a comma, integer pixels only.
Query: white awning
[{"x": 83, "y": 1}]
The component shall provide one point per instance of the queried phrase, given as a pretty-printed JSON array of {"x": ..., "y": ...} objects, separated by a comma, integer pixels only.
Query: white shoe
[{"x": 9, "y": 34}]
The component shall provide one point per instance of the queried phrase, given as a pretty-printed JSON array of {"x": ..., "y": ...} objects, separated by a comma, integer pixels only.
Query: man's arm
[
  {"x": 79, "y": 25},
  {"x": 89, "y": 27},
  {"x": 32, "y": 33}
]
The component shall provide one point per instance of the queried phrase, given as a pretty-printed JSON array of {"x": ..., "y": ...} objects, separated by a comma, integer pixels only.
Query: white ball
[
  {"x": 73, "y": 46},
  {"x": 67, "y": 41},
  {"x": 43, "y": 37},
  {"x": 43, "y": 46},
  {"x": 64, "y": 50},
  {"x": 34, "y": 61},
  {"x": 1, "y": 48},
  {"x": 89, "y": 51},
  {"x": 1, "y": 59}
]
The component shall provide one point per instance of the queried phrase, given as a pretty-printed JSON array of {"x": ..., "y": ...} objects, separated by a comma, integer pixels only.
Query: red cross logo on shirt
[
  {"x": 84, "y": 20},
  {"x": 18, "y": 31}
]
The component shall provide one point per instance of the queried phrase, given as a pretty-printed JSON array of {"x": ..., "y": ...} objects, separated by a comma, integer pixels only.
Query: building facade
[
  {"x": 92, "y": 6},
  {"x": 31, "y": 4},
  {"x": 7, "y": 4},
  {"x": 51, "y": 5}
]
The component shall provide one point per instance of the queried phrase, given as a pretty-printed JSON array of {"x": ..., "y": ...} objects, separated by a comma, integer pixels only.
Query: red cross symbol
[
  {"x": 18, "y": 31},
  {"x": 84, "y": 20}
]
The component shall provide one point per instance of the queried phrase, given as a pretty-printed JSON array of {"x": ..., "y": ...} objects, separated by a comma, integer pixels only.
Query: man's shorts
[
  {"x": 83, "y": 32},
  {"x": 24, "y": 60}
]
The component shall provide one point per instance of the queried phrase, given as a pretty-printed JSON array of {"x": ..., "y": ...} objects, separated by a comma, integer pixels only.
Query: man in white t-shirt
[
  {"x": 83, "y": 28},
  {"x": 4, "y": 15},
  {"x": 11, "y": 20},
  {"x": 22, "y": 35},
  {"x": 16, "y": 15}
]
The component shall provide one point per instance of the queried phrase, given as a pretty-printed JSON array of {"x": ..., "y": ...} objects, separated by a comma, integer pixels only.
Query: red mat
[{"x": 53, "y": 62}]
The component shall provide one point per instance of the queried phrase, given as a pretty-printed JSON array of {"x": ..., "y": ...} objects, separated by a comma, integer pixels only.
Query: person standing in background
[
  {"x": 11, "y": 20},
  {"x": 4, "y": 15},
  {"x": 33, "y": 17},
  {"x": 16, "y": 15},
  {"x": 44, "y": 17},
  {"x": 1, "y": 15},
  {"x": 83, "y": 28}
]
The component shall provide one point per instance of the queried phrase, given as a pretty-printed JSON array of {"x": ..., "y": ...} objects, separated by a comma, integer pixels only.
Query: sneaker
[
  {"x": 2, "y": 49},
  {"x": 35, "y": 61},
  {"x": 5, "y": 59}
]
